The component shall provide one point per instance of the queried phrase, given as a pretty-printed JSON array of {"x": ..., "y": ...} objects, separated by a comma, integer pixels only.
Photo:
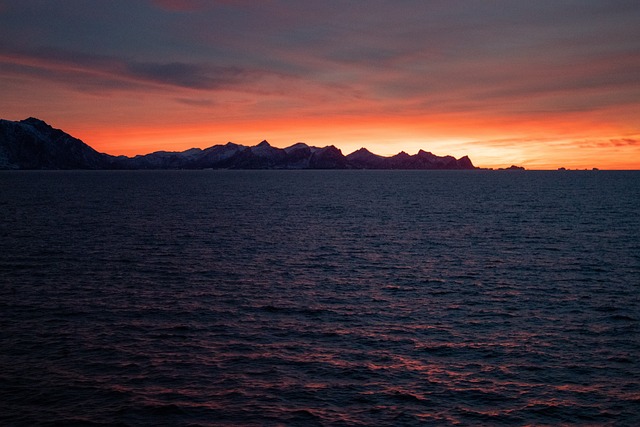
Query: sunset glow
[{"x": 541, "y": 85}]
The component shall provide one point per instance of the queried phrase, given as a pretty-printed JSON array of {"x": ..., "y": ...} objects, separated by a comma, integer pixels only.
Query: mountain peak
[
  {"x": 35, "y": 122},
  {"x": 297, "y": 146},
  {"x": 425, "y": 153},
  {"x": 264, "y": 143},
  {"x": 332, "y": 148},
  {"x": 362, "y": 151}
]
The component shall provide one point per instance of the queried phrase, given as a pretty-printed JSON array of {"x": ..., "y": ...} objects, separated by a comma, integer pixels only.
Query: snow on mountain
[
  {"x": 33, "y": 144},
  {"x": 300, "y": 146}
]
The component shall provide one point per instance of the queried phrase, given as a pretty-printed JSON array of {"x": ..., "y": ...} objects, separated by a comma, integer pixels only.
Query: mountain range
[{"x": 33, "y": 144}]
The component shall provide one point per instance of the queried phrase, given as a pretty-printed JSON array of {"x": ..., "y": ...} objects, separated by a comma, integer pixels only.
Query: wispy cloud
[
  {"x": 610, "y": 143},
  {"x": 196, "y": 102}
]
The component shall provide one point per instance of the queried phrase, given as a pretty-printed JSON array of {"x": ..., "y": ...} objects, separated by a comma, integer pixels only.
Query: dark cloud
[
  {"x": 180, "y": 5},
  {"x": 624, "y": 142},
  {"x": 80, "y": 69},
  {"x": 194, "y": 76},
  {"x": 195, "y": 5}
]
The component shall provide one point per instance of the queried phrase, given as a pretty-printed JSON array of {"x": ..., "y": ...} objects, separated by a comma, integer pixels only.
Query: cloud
[
  {"x": 624, "y": 142},
  {"x": 194, "y": 76},
  {"x": 196, "y": 102},
  {"x": 199, "y": 5},
  {"x": 179, "y": 5},
  {"x": 79, "y": 69},
  {"x": 619, "y": 142}
]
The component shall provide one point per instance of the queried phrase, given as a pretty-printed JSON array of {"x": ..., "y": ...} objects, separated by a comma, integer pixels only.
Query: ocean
[{"x": 328, "y": 298}]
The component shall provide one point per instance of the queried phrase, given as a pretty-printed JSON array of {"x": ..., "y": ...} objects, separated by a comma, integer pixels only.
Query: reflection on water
[{"x": 319, "y": 298}]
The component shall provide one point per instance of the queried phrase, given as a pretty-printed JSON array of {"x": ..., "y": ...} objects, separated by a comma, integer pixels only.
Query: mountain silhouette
[{"x": 33, "y": 144}]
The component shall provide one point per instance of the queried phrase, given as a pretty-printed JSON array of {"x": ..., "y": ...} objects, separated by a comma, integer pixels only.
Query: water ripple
[{"x": 209, "y": 298}]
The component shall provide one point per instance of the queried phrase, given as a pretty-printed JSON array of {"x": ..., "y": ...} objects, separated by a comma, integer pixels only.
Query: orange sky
[{"x": 539, "y": 85}]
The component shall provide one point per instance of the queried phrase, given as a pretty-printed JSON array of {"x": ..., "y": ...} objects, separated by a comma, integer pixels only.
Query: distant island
[{"x": 33, "y": 144}]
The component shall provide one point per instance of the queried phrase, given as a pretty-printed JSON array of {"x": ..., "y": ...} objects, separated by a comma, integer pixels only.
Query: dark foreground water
[{"x": 198, "y": 298}]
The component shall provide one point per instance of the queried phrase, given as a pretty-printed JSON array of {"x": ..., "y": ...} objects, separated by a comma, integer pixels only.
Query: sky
[{"x": 541, "y": 84}]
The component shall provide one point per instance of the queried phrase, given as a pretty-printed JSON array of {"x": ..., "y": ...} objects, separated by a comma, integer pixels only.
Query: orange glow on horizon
[{"x": 535, "y": 143}]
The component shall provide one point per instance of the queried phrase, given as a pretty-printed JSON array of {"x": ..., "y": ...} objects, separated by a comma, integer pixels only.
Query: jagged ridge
[{"x": 33, "y": 144}]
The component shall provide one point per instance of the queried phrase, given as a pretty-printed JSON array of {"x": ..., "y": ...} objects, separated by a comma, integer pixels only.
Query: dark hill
[{"x": 33, "y": 144}]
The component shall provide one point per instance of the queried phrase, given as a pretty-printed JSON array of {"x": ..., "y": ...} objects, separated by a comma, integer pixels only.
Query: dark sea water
[{"x": 209, "y": 298}]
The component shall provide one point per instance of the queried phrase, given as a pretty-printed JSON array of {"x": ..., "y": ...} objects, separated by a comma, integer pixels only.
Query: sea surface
[{"x": 328, "y": 298}]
